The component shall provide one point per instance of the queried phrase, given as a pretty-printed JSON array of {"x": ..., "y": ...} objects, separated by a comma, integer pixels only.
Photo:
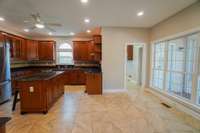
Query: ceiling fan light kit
[
  {"x": 36, "y": 22},
  {"x": 39, "y": 26}
]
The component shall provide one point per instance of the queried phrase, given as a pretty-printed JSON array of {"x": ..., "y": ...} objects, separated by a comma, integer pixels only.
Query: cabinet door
[
  {"x": 75, "y": 51},
  {"x": 94, "y": 83},
  {"x": 84, "y": 51},
  {"x": 91, "y": 53},
  {"x": 46, "y": 50},
  {"x": 73, "y": 76},
  {"x": 130, "y": 52},
  {"x": 80, "y": 51},
  {"x": 1, "y": 37},
  {"x": 66, "y": 78},
  {"x": 32, "y": 50},
  {"x": 81, "y": 77},
  {"x": 23, "y": 49},
  {"x": 31, "y": 100},
  {"x": 16, "y": 48},
  {"x": 97, "y": 39}
]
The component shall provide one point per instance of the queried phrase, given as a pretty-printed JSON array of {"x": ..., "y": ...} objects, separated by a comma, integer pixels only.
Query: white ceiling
[{"x": 71, "y": 13}]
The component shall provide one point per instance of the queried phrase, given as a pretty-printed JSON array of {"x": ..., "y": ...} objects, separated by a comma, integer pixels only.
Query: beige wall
[
  {"x": 186, "y": 20},
  {"x": 113, "y": 53}
]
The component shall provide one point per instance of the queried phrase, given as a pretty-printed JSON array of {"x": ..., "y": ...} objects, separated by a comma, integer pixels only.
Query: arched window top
[{"x": 65, "y": 46}]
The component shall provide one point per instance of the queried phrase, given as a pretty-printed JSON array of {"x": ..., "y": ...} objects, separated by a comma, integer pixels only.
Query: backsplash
[{"x": 18, "y": 64}]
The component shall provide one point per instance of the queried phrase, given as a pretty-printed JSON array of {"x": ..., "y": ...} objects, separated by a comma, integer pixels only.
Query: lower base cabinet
[
  {"x": 74, "y": 77},
  {"x": 39, "y": 96},
  {"x": 94, "y": 83}
]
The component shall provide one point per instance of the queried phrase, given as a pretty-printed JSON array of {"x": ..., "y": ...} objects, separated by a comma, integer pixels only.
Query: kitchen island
[{"x": 38, "y": 92}]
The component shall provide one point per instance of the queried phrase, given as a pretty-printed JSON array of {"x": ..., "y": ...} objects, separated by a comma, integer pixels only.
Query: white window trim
[
  {"x": 63, "y": 50},
  {"x": 192, "y": 103}
]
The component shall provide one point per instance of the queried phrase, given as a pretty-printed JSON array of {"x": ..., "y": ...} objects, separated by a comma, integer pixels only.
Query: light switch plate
[{"x": 31, "y": 89}]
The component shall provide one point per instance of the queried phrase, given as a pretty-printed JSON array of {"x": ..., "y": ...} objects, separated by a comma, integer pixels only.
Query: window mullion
[
  {"x": 184, "y": 65},
  {"x": 165, "y": 66},
  {"x": 196, "y": 72}
]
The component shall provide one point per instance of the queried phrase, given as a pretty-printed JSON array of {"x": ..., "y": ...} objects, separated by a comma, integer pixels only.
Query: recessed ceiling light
[
  {"x": 2, "y": 19},
  {"x": 84, "y": 1},
  {"x": 72, "y": 33},
  {"x": 40, "y": 26},
  {"x": 50, "y": 33},
  {"x": 26, "y": 30},
  {"x": 87, "y": 20},
  {"x": 141, "y": 13},
  {"x": 88, "y": 31}
]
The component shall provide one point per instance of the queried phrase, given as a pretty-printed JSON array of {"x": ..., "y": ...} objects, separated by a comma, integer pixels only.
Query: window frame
[
  {"x": 195, "y": 73},
  {"x": 158, "y": 69},
  {"x": 58, "y": 50}
]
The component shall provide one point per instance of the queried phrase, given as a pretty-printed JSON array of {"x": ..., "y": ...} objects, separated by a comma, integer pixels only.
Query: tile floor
[{"x": 134, "y": 111}]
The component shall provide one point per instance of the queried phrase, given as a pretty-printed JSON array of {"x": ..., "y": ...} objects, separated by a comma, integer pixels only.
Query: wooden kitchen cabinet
[
  {"x": 46, "y": 50},
  {"x": 74, "y": 77},
  {"x": 97, "y": 47},
  {"x": 97, "y": 39},
  {"x": 130, "y": 52},
  {"x": 32, "y": 101},
  {"x": 77, "y": 77},
  {"x": 23, "y": 50},
  {"x": 87, "y": 51},
  {"x": 1, "y": 37},
  {"x": 32, "y": 50},
  {"x": 15, "y": 47},
  {"x": 40, "y": 95},
  {"x": 80, "y": 50},
  {"x": 26, "y": 49},
  {"x": 91, "y": 54},
  {"x": 18, "y": 47},
  {"x": 94, "y": 83}
]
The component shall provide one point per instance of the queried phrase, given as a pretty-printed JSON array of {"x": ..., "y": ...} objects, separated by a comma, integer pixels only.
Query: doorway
[{"x": 133, "y": 65}]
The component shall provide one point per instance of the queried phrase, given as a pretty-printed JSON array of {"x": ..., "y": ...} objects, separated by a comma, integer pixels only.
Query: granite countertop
[
  {"x": 3, "y": 120},
  {"x": 85, "y": 69},
  {"x": 40, "y": 76},
  {"x": 93, "y": 70}
]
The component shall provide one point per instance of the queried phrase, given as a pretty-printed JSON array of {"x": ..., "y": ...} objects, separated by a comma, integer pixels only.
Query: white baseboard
[
  {"x": 114, "y": 90},
  {"x": 177, "y": 103}
]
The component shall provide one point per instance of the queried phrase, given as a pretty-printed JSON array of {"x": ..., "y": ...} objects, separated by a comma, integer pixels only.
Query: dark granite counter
[
  {"x": 4, "y": 120},
  {"x": 40, "y": 76}
]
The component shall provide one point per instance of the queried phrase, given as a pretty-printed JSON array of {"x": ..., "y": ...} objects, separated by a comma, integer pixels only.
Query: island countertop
[{"x": 40, "y": 76}]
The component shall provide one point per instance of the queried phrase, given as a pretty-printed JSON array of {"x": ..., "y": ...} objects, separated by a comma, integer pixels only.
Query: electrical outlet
[{"x": 31, "y": 89}]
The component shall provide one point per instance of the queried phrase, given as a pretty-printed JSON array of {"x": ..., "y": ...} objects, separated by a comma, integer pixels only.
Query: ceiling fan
[{"x": 36, "y": 22}]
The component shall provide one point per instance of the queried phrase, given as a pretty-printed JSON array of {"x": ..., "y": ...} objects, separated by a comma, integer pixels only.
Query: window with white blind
[
  {"x": 176, "y": 66},
  {"x": 64, "y": 54}
]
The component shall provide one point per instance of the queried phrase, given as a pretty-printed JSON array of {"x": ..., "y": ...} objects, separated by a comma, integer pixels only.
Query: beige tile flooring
[{"x": 134, "y": 111}]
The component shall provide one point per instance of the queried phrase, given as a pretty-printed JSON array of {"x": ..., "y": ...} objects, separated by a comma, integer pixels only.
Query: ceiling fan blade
[
  {"x": 27, "y": 21},
  {"x": 32, "y": 28},
  {"x": 36, "y": 17},
  {"x": 49, "y": 28},
  {"x": 30, "y": 22},
  {"x": 53, "y": 24}
]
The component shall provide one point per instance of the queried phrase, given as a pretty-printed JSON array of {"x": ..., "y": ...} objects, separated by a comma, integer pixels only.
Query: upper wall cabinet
[
  {"x": 32, "y": 50},
  {"x": 28, "y": 50},
  {"x": 97, "y": 47},
  {"x": 88, "y": 50},
  {"x": 130, "y": 52},
  {"x": 97, "y": 39},
  {"x": 80, "y": 50},
  {"x": 46, "y": 50},
  {"x": 17, "y": 47}
]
